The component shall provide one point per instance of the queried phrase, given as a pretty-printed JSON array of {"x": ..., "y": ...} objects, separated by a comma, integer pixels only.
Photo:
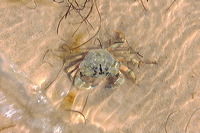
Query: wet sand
[{"x": 165, "y": 98}]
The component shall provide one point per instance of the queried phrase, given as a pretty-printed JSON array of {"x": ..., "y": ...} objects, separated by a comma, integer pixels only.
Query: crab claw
[
  {"x": 80, "y": 84},
  {"x": 119, "y": 79},
  {"x": 129, "y": 72}
]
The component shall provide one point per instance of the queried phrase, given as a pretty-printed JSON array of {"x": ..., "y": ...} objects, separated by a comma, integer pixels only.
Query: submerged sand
[{"x": 166, "y": 97}]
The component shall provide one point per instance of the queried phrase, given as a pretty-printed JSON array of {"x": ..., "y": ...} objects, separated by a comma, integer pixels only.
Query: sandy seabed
[{"x": 166, "y": 97}]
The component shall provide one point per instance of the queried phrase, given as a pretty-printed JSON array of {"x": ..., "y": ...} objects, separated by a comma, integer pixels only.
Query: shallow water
[{"x": 166, "y": 97}]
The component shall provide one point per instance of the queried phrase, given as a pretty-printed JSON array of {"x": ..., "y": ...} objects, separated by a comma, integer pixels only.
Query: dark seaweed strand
[
  {"x": 77, "y": 10},
  {"x": 95, "y": 33}
]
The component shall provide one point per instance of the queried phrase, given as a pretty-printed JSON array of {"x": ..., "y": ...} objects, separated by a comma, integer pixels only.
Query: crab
[
  {"x": 89, "y": 67},
  {"x": 98, "y": 64}
]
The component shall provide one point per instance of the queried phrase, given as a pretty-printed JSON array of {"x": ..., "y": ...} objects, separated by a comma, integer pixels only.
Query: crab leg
[
  {"x": 123, "y": 49},
  {"x": 69, "y": 73},
  {"x": 128, "y": 71},
  {"x": 123, "y": 52},
  {"x": 75, "y": 56},
  {"x": 126, "y": 59},
  {"x": 71, "y": 64},
  {"x": 132, "y": 59},
  {"x": 120, "y": 40},
  {"x": 71, "y": 68},
  {"x": 114, "y": 46}
]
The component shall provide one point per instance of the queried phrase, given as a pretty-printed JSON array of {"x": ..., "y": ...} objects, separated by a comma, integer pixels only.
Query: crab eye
[
  {"x": 81, "y": 74},
  {"x": 106, "y": 69},
  {"x": 117, "y": 75},
  {"x": 107, "y": 73}
]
